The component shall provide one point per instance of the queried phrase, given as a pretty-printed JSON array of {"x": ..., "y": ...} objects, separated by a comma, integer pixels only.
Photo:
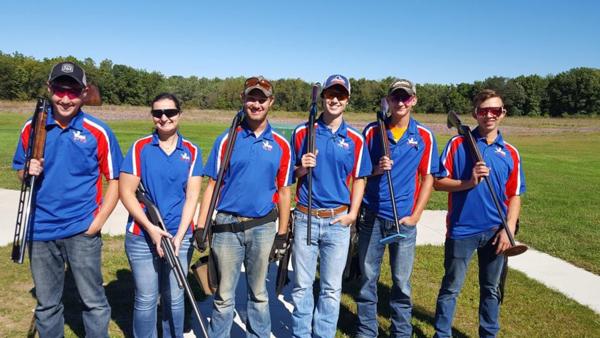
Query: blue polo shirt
[
  {"x": 259, "y": 166},
  {"x": 472, "y": 211},
  {"x": 415, "y": 155},
  {"x": 165, "y": 177},
  {"x": 342, "y": 157},
  {"x": 69, "y": 191}
]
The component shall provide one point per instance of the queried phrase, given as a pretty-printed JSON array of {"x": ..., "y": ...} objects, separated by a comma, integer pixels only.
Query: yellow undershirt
[{"x": 397, "y": 132}]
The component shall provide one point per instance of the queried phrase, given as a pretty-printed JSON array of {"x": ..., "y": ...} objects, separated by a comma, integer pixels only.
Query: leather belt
[
  {"x": 245, "y": 223},
  {"x": 323, "y": 213}
]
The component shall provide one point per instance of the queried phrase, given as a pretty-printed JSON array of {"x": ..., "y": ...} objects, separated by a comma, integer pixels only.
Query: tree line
[{"x": 573, "y": 92}]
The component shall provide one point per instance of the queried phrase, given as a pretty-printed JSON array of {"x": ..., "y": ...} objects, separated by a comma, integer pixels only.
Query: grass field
[
  {"x": 530, "y": 310},
  {"x": 560, "y": 216}
]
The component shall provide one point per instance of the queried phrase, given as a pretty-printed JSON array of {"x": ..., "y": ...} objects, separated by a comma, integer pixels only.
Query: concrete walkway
[{"x": 557, "y": 274}]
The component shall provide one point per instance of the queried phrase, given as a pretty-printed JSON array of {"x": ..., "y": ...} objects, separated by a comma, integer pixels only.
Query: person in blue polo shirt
[
  {"x": 169, "y": 167},
  {"x": 340, "y": 158},
  {"x": 69, "y": 208},
  {"x": 473, "y": 222},
  {"x": 413, "y": 160},
  {"x": 255, "y": 191}
]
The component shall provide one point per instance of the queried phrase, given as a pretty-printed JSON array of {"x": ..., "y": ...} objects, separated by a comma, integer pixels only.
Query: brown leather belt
[{"x": 323, "y": 213}]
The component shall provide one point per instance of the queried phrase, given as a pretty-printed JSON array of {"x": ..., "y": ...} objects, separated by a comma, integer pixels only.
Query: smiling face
[
  {"x": 335, "y": 100},
  {"x": 489, "y": 114},
  {"x": 165, "y": 125},
  {"x": 257, "y": 105},
  {"x": 66, "y": 96},
  {"x": 401, "y": 103}
]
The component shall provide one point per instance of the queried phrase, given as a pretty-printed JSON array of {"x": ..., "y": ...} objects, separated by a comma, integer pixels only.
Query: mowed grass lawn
[{"x": 560, "y": 217}]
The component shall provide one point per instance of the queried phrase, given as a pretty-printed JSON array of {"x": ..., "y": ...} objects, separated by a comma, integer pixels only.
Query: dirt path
[{"x": 437, "y": 122}]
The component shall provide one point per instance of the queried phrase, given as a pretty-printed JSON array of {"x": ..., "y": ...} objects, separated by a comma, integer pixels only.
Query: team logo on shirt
[
  {"x": 185, "y": 157},
  {"x": 412, "y": 142},
  {"x": 79, "y": 137},
  {"x": 500, "y": 151},
  {"x": 267, "y": 146},
  {"x": 343, "y": 144}
]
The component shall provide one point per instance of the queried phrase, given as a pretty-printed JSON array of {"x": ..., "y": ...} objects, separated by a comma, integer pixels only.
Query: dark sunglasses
[
  {"x": 340, "y": 95},
  {"x": 401, "y": 96},
  {"x": 62, "y": 91},
  {"x": 260, "y": 81},
  {"x": 158, "y": 113},
  {"x": 496, "y": 111}
]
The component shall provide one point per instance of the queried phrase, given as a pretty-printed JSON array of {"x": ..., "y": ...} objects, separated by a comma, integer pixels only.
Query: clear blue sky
[{"x": 426, "y": 41}]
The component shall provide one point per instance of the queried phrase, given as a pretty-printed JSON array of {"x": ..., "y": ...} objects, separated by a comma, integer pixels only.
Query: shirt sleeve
[
  {"x": 196, "y": 169},
  {"x": 114, "y": 156},
  {"x": 430, "y": 162},
  {"x": 20, "y": 155},
  {"x": 211, "y": 169},
  {"x": 127, "y": 166},
  {"x": 362, "y": 160},
  {"x": 515, "y": 185}
]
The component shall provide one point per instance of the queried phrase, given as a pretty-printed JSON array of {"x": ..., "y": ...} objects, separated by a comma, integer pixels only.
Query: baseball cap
[
  {"x": 68, "y": 69},
  {"x": 336, "y": 79},
  {"x": 403, "y": 84},
  {"x": 258, "y": 82}
]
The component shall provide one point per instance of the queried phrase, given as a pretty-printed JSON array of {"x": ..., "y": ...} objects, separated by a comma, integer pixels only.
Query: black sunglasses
[{"x": 158, "y": 113}]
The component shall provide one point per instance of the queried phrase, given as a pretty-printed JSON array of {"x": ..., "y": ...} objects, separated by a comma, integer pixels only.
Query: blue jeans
[
  {"x": 151, "y": 275},
  {"x": 330, "y": 243},
  {"x": 370, "y": 253},
  {"x": 83, "y": 255},
  {"x": 458, "y": 253},
  {"x": 252, "y": 248}
]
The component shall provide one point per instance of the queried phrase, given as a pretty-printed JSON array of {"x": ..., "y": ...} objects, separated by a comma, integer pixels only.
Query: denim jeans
[
  {"x": 151, "y": 275},
  {"x": 330, "y": 243},
  {"x": 458, "y": 253},
  {"x": 252, "y": 248},
  {"x": 370, "y": 253},
  {"x": 83, "y": 255}
]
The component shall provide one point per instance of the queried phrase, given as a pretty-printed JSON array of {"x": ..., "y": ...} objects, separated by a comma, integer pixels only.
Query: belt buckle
[{"x": 332, "y": 213}]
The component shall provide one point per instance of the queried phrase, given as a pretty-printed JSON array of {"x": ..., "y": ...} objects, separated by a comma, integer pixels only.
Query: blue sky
[{"x": 425, "y": 41}]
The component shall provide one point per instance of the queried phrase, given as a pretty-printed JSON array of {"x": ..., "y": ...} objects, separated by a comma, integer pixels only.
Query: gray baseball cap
[{"x": 403, "y": 84}]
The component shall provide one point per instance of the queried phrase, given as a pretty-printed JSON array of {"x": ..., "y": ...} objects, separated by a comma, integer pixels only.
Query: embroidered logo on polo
[
  {"x": 185, "y": 157},
  {"x": 343, "y": 144},
  {"x": 79, "y": 137},
  {"x": 499, "y": 151},
  {"x": 267, "y": 146},
  {"x": 412, "y": 142}
]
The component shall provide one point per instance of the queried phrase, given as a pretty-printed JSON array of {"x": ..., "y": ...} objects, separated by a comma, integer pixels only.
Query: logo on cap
[{"x": 67, "y": 68}]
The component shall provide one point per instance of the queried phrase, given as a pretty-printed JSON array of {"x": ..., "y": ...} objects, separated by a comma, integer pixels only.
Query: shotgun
[
  {"x": 311, "y": 149},
  {"x": 26, "y": 208},
  {"x": 154, "y": 216}
]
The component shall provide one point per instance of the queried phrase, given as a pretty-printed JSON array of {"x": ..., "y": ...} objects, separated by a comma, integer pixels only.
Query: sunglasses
[
  {"x": 331, "y": 94},
  {"x": 256, "y": 98},
  {"x": 62, "y": 91},
  {"x": 402, "y": 96},
  {"x": 484, "y": 111},
  {"x": 260, "y": 81},
  {"x": 158, "y": 113}
]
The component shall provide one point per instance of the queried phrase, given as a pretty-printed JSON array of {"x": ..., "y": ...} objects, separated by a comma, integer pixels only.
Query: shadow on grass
[
  {"x": 384, "y": 310},
  {"x": 119, "y": 293}
]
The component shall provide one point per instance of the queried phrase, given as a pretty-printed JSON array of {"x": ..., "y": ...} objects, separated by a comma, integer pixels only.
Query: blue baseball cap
[{"x": 336, "y": 79}]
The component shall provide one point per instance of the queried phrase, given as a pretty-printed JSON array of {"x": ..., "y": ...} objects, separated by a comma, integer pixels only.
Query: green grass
[{"x": 530, "y": 309}]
